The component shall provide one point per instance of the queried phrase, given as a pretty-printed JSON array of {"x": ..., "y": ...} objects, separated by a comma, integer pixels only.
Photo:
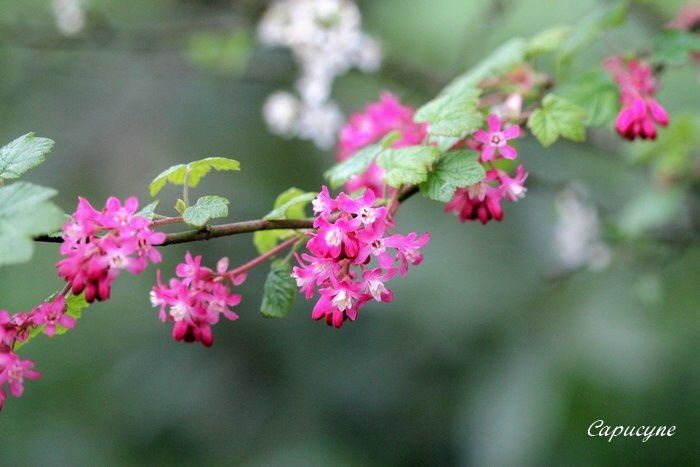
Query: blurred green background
[{"x": 487, "y": 356}]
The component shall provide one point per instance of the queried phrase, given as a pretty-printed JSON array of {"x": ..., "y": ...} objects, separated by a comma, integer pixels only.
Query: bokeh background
[{"x": 491, "y": 353}]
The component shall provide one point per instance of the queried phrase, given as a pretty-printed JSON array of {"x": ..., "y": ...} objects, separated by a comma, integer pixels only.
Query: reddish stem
[{"x": 264, "y": 257}]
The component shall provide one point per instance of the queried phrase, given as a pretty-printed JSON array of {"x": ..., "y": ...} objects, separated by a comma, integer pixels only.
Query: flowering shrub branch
[{"x": 458, "y": 149}]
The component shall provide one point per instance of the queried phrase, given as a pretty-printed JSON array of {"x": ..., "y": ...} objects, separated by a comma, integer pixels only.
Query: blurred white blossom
[
  {"x": 69, "y": 16},
  {"x": 326, "y": 40},
  {"x": 577, "y": 231},
  {"x": 281, "y": 112}
]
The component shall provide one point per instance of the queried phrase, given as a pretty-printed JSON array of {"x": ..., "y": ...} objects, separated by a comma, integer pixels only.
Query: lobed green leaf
[
  {"x": 280, "y": 290},
  {"x": 452, "y": 116},
  {"x": 455, "y": 169},
  {"x": 206, "y": 208},
  {"x": 596, "y": 93},
  {"x": 407, "y": 166},
  {"x": 557, "y": 117},
  {"x": 25, "y": 212},
  {"x": 193, "y": 172},
  {"x": 674, "y": 46},
  {"x": 22, "y": 154}
]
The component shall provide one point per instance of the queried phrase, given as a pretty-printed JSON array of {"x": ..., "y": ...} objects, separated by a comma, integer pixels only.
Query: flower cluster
[
  {"x": 97, "y": 245},
  {"x": 196, "y": 299},
  {"x": 349, "y": 234},
  {"x": 17, "y": 328},
  {"x": 482, "y": 201},
  {"x": 326, "y": 41},
  {"x": 367, "y": 127},
  {"x": 640, "y": 111}
]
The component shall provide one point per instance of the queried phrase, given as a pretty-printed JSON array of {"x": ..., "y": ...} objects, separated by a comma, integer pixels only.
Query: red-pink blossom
[
  {"x": 348, "y": 239},
  {"x": 376, "y": 121},
  {"x": 52, "y": 315},
  {"x": 99, "y": 244},
  {"x": 195, "y": 301},
  {"x": 640, "y": 112},
  {"x": 495, "y": 141},
  {"x": 13, "y": 371}
]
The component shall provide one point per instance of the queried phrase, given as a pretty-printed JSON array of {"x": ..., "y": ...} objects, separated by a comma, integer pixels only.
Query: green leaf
[
  {"x": 206, "y": 208},
  {"x": 674, "y": 45},
  {"x": 455, "y": 169},
  {"x": 591, "y": 28},
  {"x": 407, "y": 165},
  {"x": 596, "y": 93},
  {"x": 454, "y": 116},
  {"x": 292, "y": 209},
  {"x": 358, "y": 163},
  {"x": 197, "y": 170},
  {"x": 289, "y": 205},
  {"x": 500, "y": 61},
  {"x": 22, "y": 154},
  {"x": 25, "y": 212},
  {"x": 149, "y": 210},
  {"x": 547, "y": 41},
  {"x": 280, "y": 290},
  {"x": 557, "y": 117}
]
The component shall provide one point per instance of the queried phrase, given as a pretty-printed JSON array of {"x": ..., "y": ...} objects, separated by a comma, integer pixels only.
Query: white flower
[
  {"x": 281, "y": 113},
  {"x": 69, "y": 16}
]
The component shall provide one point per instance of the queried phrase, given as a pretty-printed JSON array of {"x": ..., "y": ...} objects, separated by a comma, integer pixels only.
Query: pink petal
[
  {"x": 488, "y": 153},
  {"x": 508, "y": 152},
  {"x": 494, "y": 123},
  {"x": 482, "y": 137},
  {"x": 512, "y": 131}
]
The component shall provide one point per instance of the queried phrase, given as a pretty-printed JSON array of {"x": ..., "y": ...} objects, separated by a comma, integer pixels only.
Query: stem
[
  {"x": 394, "y": 202},
  {"x": 166, "y": 221},
  {"x": 225, "y": 230},
  {"x": 265, "y": 256}
]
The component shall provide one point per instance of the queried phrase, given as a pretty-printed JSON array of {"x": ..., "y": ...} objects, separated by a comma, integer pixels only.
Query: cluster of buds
[
  {"x": 17, "y": 328},
  {"x": 352, "y": 255},
  {"x": 376, "y": 121},
  {"x": 640, "y": 111},
  {"x": 97, "y": 245},
  {"x": 196, "y": 299},
  {"x": 482, "y": 201}
]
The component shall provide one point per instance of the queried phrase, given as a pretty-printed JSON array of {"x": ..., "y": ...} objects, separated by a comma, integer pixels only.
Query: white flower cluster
[
  {"x": 69, "y": 16},
  {"x": 326, "y": 40},
  {"x": 577, "y": 232}
]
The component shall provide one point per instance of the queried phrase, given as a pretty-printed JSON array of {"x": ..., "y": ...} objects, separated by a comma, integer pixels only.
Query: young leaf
[
  {"x": 25, "y": 212},
  {"x": 22, "y": 154},
  {"x": 557, "y": 117},
  {"x": 454, "y": 116},
  {"x": 289, "y": 205},
  {"x": 206, "y": 208},
  {"x": 455, "y": 169},
  {"x": 407, "y": 165},
  {"x": 358, "y": 163},
  {"x": 149, "y": 210},
  {"x": 673, "y": 46},
  {"x": 280, "y": 290},
  {"x": 596, "y": 93},
  {"x": 193, "y": 172},
  {"x": 180, "y": 206}
]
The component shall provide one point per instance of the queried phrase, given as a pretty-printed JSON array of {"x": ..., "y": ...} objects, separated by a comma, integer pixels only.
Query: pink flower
[
  {"x": 376, "y": 121},
  {"x": 196, "y": 302},
  {"x": 7, "y": 330},
  {"x": 348, "y": 238},
  {"x": 481, "y": 201},
  {"x": 97, "y": 245},
  {"x": 495, "y": 141},
  {"x": 640, "y": 112},
  {"x": 513, "y": 189},
  {"x": 53, "y": 314},
  {"x": 13, "y": 371}
]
